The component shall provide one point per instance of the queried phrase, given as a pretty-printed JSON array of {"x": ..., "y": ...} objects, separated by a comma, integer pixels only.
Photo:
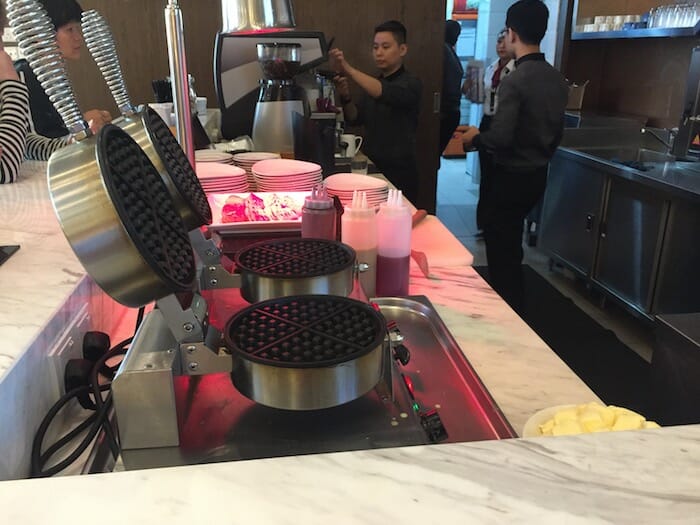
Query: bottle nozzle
[
  {"x": 359, "y": 200},
  {"x": 395, "y": 199},
  {"x": 319, "y": 198}
]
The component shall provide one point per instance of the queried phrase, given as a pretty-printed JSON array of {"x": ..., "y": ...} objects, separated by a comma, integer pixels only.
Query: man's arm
[{"x": 368, "y": 83}]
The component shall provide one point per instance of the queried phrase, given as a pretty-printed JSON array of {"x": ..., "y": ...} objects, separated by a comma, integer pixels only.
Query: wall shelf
[{"x": 655, "y": 32}]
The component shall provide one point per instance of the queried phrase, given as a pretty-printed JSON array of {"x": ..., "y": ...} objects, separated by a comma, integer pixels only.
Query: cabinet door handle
[{"x": 589, "y": 221}]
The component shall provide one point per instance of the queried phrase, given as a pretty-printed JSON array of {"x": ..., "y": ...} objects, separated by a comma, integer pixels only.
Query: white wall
[{"x": 492, "y": 18}]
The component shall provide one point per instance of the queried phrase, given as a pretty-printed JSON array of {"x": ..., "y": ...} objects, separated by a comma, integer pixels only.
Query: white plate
[
  {"x": 532, "y": 425},
  {"x": 251, "y": 157},
  {"x": 211, "y": 155},
  {"x": 217, "y": 201},
  {"x": 354, "y": 181},
  {"x": 213, "y": 170},
  {"x": 284, "y": 167}
]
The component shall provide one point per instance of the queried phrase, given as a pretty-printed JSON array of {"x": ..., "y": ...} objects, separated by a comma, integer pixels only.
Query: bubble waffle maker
[
  {"x": 282, "y": 267},
  {"x": 146, "y": 127},
  {"x": 306, "y": 352}
]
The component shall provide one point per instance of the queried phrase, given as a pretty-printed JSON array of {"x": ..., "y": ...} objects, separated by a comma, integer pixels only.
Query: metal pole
[{"x": 179, "y": 77}]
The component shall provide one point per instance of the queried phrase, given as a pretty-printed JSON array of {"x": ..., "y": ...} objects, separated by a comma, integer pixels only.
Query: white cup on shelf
[{"x": 354, "y": 142}]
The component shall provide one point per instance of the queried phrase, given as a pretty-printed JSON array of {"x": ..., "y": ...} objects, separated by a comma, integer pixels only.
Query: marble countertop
[
  {"x": 36, "y": 280},
  {"x": 625, "y": 477},
  {"x": 616, "y": 478}
]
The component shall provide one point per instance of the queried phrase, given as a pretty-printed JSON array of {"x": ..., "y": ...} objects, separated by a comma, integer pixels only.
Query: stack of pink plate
[
  {"x": 286, "y": 175},
  {"x": 247, "y": 159},
  {"x": 212, "y": 155},
  {"x": 343, "y": 185},
  {"x": 221, "y": 178}
]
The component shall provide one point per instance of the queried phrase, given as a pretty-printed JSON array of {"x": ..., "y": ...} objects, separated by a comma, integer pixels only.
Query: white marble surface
[
  {"x": 615, "y": 478},
  {"x": 628, "y": 477},
  {"x": 43, "y": 287},
  {"x": 519, "y": 370},
  {"x": 37, "y": 279}
]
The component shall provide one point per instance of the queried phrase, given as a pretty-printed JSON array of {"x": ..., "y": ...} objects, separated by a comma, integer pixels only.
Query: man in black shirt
[
  {"x": 452, "y": 74},
  {"x": 524, "y": 133},
  {"x": 388, "y": 109}
]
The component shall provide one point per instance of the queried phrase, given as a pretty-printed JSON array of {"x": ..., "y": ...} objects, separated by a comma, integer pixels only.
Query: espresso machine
[
  {"x": 237, "y": 73},
  {"x": 280, "y": 97}
]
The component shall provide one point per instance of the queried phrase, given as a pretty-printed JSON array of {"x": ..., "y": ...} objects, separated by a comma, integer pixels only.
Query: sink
[
  {"x": 639, "y": 158},
  {"x": 625, "y": 155}
]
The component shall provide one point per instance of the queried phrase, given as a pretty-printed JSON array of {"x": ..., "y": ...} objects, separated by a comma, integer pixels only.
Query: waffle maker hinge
[
  {"x": 172, "y": 341},
  {"x": 211, "y": 274}
]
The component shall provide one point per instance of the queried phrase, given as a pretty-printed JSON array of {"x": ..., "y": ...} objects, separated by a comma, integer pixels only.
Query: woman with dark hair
[
  {"x": 45, "y": 120},
  {"x": 15, "y": 142}
]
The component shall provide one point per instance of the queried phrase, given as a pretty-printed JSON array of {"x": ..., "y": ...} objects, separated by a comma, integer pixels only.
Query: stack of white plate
[
  {"x": 212, "y": 155},
  {"x": 286, "y": 175},
  {"x": 246, "y": 161},
  {"x": 342, "y": 185},
  {"x": 221, "y": 178}
]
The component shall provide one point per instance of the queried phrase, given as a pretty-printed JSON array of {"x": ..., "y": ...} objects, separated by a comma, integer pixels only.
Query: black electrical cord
[
  {"x": 38, "y": 459},
  {"x": 139, "y": 318},
  {"x": 58, "y": 445},
  {"x": 95, "y": 382},
  {"x": 100, "y": 417},
  {"x": 97, "y": 420}
]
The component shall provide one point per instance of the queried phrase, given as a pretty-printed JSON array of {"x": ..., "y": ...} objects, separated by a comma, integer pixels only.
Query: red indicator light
[{"x": 409, "y": 384}]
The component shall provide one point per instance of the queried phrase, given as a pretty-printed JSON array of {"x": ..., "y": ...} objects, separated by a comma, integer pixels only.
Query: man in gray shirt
[{"x": 524, "y": 133}]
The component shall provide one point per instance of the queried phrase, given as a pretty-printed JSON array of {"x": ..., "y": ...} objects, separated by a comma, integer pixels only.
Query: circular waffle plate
[
  {"x": 145, "y": 208},
  {"x": 305, "y": 331},
  {"x": 295, "y": 258},
  {"x": 177, "y": 165}
]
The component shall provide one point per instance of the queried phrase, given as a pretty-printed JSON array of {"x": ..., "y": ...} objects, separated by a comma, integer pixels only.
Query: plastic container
[
  {"x": 393, "y": 246},
  {"x": 359, "y": 231},
  {"x": 318, "y": 215}
]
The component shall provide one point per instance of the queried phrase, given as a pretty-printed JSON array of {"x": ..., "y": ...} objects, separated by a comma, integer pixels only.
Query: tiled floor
[{"x": 457, "y": 196}]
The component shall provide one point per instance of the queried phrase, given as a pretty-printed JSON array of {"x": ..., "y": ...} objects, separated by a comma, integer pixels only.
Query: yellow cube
[
  {"x": 590, "y": 420},
  {"x": 569, "y": 414},
  {"x": 629, "y": 421},
  {"x": 567, "y": 427}
]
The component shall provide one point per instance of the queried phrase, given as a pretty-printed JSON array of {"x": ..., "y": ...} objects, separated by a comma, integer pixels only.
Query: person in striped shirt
[
  {"x": 65, "y": 16},
  {"x": 16, "y": 142}
]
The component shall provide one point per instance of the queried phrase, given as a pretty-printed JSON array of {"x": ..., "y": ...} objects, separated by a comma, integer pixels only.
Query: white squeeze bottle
[
  {"x": 359, "y": 231},
  {"x": 393, "y": 246}
]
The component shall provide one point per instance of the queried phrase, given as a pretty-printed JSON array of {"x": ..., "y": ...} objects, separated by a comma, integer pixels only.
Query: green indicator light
[{"x": 416, "y": 407}]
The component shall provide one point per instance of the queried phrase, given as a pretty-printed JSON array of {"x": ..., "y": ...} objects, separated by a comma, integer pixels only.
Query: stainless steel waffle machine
[{"x": 269, "y": 359}]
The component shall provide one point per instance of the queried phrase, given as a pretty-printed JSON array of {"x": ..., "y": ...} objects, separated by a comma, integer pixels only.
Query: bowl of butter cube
[{"x": 568, "y": 420}]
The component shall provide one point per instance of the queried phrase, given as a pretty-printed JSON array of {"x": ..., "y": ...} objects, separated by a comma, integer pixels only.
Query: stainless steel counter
[
  {"x": 631, "y": 155},
  {"x": 624, "y": 214}
]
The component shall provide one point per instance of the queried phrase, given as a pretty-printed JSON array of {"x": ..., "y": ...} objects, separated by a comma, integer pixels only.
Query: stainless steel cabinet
[
  {"x": 631, "y": 237},
  {"x": 678, "y": 284},
  {"x": 571, "y": 211}
]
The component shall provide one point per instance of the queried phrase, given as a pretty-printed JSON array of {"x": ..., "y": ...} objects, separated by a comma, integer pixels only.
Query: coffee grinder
[
  {"x": 280, "y": 97},
  {"x": 237, "y": 72}
]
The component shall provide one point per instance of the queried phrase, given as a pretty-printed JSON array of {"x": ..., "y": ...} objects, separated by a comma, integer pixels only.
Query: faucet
[{"x": 669, "y": 145}]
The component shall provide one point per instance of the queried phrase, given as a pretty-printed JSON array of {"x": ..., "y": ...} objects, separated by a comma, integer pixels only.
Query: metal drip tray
[{"x": 217, "y": 423}]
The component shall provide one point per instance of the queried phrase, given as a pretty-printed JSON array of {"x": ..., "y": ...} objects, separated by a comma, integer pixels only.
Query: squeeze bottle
[
  {"x": 359, "y": 231},
  {"x": 318, "y": 215},
  {"x": 393, "y": 246}
]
